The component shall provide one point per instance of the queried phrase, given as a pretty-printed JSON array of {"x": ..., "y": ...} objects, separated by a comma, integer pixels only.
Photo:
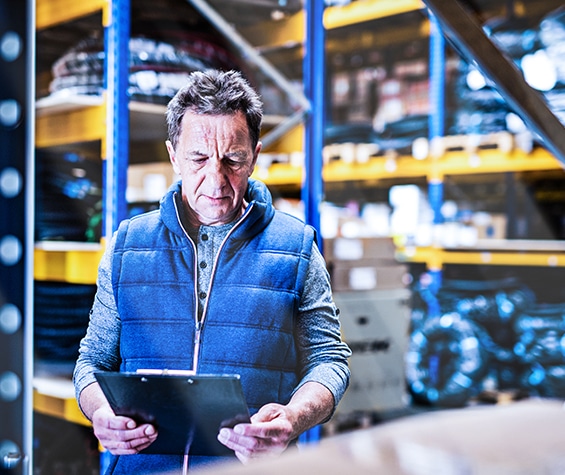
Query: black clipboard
[{"x": 188, "y": 411}]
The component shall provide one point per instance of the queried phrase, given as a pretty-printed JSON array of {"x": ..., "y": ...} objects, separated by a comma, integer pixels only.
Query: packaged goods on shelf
[
  {"x": 537, "y": 50},
  {"x": 552, "y": 37},
  {"x": 412, "y": 215},
  {"x": 61, "y": 314},
  {"x": 157, "y": 69},
  {"x": 351, "y": 221},
  {"x": 490, "y": 225},
  {"x": 399, "y": 137},
  {"x": 68, "y": 197}
]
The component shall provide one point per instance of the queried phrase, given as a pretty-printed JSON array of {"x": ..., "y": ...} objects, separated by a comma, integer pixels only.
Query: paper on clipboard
[{"x": 188, "y": 410}]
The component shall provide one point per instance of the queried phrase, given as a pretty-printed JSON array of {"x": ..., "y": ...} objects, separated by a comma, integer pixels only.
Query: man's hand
[
  {"x": 274, "y": 426},
  {"x": 121, "y": 435},
  {"x": 269, "y": 434}
]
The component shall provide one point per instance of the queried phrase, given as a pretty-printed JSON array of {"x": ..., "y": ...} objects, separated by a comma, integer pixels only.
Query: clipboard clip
[{"x": 167, "y": 372}]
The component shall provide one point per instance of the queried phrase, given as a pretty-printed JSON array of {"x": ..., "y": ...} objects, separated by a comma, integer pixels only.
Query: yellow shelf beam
[
  {"x": 435, "y": 258},
  {"x": 65, "y": 408},
  {"x": 77, "y": 266},
  {"x": 53, "y": 12},
  {"x": 495, "y": 161},
  {"x": 452, "y": 163},
  {"x": 85, "y": 124},
  {"x": 367, "y": 10},
  {"x": 291, "y": 30},
  {"x": 280, "y": 174}
]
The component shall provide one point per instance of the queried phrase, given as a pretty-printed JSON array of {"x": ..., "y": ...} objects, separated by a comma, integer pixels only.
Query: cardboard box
[
  {"x": 490, "y": 225},
  {"x": 375, "y": 324},
  {"x": 354, "y": 249},
  {"x": 368, "y": 274},
  {"x": 149, "y": 181}
]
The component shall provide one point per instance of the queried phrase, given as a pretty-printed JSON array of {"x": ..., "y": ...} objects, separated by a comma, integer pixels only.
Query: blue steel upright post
[
  {"x": 436, "y": 129},
  {"x": 116, "y": 47},
  {"x": 314, "y": 89},
  {"x": 117, "y": 33},
  {"x": 17, "y": 189}
]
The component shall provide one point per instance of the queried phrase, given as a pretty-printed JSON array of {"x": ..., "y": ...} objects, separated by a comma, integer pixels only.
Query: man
[{"x": 215, "y": 281}]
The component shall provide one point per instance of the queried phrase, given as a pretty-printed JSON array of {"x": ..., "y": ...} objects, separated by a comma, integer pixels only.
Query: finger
[
  {"x": 238, "y": 442},
  {"x": 265, "y": 430},
  {"x": 121, "y": 423},
  {"x": 267, "y": 413},
  {"x": 117, "y": 444}
]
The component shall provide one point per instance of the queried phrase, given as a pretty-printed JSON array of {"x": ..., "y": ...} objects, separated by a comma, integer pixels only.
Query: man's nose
[{"x": 216, "y": 173}]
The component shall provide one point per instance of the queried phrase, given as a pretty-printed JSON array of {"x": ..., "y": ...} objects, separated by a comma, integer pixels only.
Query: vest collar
[{"x": 256, "y": 217}]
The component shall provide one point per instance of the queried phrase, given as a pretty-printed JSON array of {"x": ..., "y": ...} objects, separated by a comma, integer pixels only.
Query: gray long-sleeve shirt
[{"x": 322, "y": 354}]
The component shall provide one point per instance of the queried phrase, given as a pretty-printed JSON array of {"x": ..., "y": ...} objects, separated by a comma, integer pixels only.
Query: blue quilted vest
[{"x": 248, "y": 324}]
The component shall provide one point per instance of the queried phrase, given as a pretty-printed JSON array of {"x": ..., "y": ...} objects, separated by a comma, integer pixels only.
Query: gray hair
[{"x": 215, "y": 92}]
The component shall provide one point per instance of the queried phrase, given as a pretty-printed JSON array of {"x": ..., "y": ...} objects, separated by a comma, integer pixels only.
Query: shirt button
[
  {"x": 204, "y": 237},
  {"x": 203, "y": 265},
  {"x": 202, "y": 295}
]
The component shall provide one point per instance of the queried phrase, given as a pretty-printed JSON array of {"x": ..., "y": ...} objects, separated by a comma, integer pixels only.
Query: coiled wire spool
[
  {"x": 540, "y": 332},
  {"x": 485, "y": 301},
  {"x": 445, "y": 362},
  {"x": 540, "y": 343}
]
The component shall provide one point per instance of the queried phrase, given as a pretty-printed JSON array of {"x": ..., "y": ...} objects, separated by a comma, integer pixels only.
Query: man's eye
[{"x": 233, "y": 163}]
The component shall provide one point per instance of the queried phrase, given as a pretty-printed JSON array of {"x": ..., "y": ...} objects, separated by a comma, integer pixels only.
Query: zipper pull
[{"x": 196, "y": 354}]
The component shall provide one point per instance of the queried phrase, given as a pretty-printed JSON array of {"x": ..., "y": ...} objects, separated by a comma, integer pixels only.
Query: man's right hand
[
  {"x": 121, "y": 435},
  {"x": 117, "y": 434}
]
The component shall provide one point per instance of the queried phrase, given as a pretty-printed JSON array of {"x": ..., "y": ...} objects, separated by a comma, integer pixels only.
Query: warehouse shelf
[
  {"x": 53, "y": 12},
  {"x": 64, "y": 120},
  {"x": 72, "y": 262},
  {"x": 452, "y": 163},
  {"x": 75, "y": 125},
  {"x": 291, "y": 30},
  {"x": 56, "y": 397}
]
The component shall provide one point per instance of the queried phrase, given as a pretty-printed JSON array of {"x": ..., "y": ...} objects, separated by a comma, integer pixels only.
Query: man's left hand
[
  {"x": 274, "y": 426},
  {"x": 268, "y": 434}
]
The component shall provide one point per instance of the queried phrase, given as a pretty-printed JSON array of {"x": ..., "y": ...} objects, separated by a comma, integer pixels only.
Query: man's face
[{"x": 214, "y": 158}]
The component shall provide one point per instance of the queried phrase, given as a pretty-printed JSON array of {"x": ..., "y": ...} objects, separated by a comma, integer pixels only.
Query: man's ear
[
  {"x": 255, "y": 156},
  {"x": 172, "y": 156}
]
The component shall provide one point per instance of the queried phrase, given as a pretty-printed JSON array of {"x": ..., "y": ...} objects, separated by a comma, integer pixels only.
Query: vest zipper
[
  {"x": 214, "y": 267},
  {"x": 198, "y": 324}
]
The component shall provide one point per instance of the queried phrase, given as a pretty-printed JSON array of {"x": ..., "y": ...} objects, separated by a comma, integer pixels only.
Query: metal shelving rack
[
  {"x": 62, "y": 123},
  {"x": 436, "y": 167},
  {"x": 80, "y": 120}
]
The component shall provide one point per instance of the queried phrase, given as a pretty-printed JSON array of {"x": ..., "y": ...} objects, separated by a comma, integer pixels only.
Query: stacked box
[
  {"x": 370, "y": 289},
  {"x": 375, "y": 324},
  {"x": 364, "y": 264}
]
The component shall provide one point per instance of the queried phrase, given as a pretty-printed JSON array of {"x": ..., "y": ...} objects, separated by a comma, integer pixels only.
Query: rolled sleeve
[
  {"x": 322, "y": 353},
  {"x": 99, "y": 349}
]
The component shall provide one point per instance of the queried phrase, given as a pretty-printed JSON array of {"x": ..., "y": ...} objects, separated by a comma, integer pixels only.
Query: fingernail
[
  {"x": 150, "y": 430},
  {"x": 131, "y": 425}
]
